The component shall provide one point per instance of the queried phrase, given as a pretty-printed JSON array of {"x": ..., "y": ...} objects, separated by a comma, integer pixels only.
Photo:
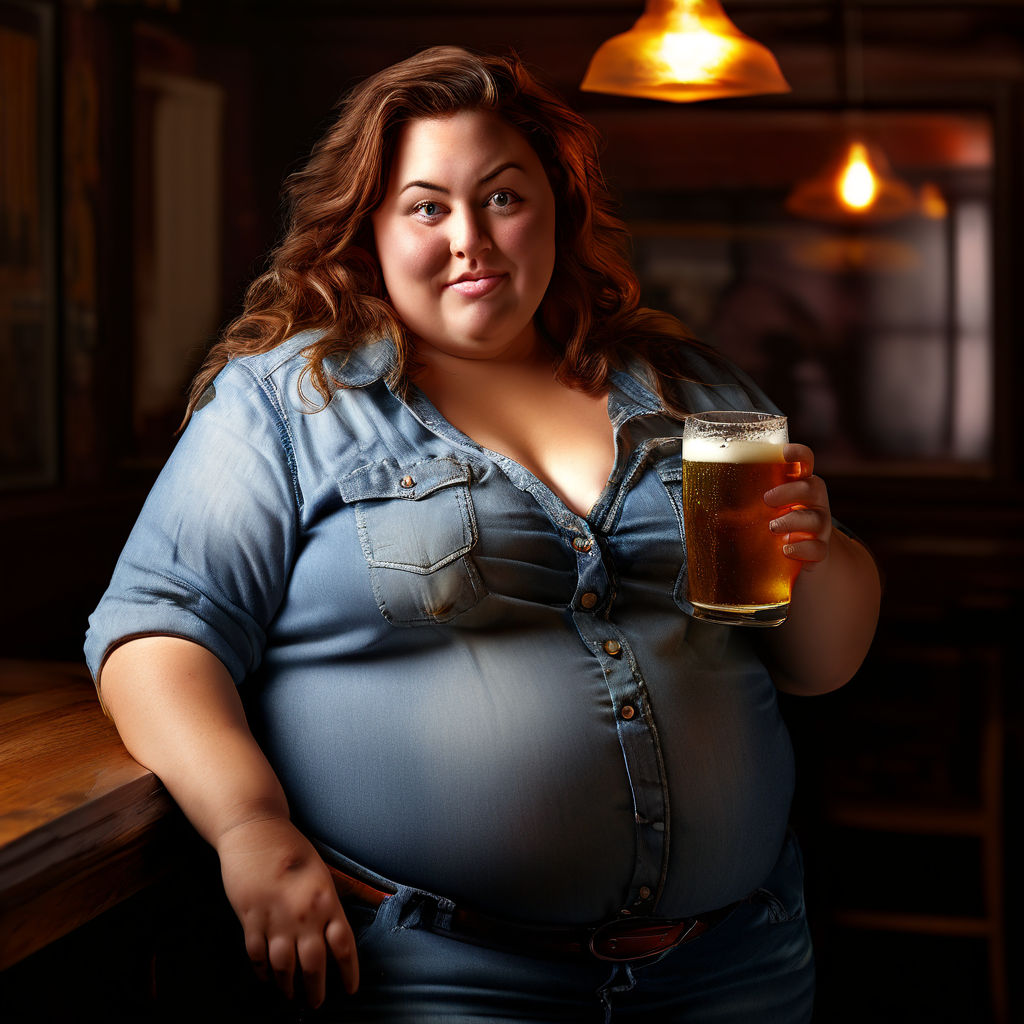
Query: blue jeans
[{"x": 756, "y": 965}]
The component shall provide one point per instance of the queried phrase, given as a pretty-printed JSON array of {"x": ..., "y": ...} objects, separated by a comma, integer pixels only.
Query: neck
[{"x": 526, "y": 357}]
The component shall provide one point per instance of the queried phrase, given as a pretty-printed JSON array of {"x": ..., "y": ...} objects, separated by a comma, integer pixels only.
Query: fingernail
[
  {"x": 775, "y": 526},
  {"x": 787, "y": 549}
]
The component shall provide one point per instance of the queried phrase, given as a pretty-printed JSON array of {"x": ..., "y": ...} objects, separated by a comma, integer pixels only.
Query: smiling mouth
[{"x": 474, "y": 287}]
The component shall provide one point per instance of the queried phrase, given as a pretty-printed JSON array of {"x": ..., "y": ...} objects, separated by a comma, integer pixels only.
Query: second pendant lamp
[{"x": 858, "y": 186}]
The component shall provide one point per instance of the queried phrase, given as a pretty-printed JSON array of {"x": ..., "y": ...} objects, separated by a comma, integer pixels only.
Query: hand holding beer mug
[{"x": 737, "y": 571}]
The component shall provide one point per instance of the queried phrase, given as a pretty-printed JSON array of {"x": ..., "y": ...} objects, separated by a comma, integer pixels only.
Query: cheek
[
  {"x": 407, "y": 258},
  {"x": 534, "y": 241}
]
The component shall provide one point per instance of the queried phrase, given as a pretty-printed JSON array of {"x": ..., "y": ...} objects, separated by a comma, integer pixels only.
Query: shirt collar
[
  {"x": 363, "y": 365},
  {"x": 632, "y": 393}
]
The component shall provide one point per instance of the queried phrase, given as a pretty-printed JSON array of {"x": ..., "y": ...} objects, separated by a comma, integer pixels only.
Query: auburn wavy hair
[{"x": 324, "y": 272}]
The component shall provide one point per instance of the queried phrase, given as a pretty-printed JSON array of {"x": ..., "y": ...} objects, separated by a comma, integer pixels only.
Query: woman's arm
[
  {"x": 179, "y": 714},
  {"x": 836, "y": 596}
]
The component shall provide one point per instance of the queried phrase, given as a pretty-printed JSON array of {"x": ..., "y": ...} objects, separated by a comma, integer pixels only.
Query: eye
[
  {"x": 504, "y": 199},
  {"x": 428, "y": 208}
]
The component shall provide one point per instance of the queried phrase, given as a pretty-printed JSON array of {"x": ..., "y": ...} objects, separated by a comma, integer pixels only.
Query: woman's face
[{"x": 466, "y": 236}]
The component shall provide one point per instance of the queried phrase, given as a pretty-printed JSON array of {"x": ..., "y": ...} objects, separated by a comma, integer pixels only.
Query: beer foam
[{"x": 706, "y": 449}]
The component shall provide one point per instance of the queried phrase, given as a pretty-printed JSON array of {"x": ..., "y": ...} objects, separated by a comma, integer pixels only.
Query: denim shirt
[{"x": 462, "y": 684}]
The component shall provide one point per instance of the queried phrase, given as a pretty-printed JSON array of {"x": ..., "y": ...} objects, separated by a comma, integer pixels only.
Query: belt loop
[
  {"x": 389, "y": 913},
  {"x": 444, "y": 908}
]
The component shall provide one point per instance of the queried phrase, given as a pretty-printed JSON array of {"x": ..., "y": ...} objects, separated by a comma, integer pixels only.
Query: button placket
[
  {"x": 634, "y": 725},
  {"x": 638, "y": 741}
]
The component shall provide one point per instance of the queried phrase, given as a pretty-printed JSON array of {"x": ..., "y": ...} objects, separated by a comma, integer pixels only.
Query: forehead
[{"x": 459, "y": 144}]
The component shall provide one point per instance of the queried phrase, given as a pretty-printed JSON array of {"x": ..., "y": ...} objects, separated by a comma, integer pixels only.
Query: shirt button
[
  {"x": 407, "y": 481},
  {"x": 612, "y": 647},
  {"x": 645, "y": 893},
  {"x": 588, "y": 600},
  {"x": 628, "y": 712},
  {"x": 582, "y": 543}
]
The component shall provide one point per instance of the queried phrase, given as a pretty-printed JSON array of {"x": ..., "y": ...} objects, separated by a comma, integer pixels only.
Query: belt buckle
[{"x": 626, "y": 939}]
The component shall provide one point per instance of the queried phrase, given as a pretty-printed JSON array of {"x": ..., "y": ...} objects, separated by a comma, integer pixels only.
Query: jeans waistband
[{"x": 620, "y": 940}]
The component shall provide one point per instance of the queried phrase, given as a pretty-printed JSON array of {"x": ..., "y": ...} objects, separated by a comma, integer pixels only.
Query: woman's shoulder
[
  {"x": 700, "y": 377},
  {"x": 283, "y": 363},
  {"x": 284, "y": 370}
]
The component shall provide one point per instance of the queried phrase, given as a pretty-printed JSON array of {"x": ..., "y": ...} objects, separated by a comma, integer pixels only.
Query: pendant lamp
[
  {"x": 858, "y": 186},
  {"x": 683, "y": 51}
]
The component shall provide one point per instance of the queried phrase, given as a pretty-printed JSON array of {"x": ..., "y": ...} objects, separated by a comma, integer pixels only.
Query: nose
[{"x": 469, "y": 238}]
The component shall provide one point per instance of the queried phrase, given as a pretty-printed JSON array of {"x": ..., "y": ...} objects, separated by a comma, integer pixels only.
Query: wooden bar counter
[{"x": 83, "y": 826}]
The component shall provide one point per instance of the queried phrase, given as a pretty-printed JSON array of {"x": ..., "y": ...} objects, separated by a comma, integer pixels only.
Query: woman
[{"x": 423, "y": 524}]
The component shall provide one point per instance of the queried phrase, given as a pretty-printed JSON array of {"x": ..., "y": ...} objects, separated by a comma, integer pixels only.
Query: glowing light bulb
[
  {"x": 693, "y": 55},
  {"x": 858, "y": 183}
]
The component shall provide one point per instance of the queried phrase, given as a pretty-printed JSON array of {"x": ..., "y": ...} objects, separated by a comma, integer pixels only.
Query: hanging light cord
[{"x": 851, "y": 54}]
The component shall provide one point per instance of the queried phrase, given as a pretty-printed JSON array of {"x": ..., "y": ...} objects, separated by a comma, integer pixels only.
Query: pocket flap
[{"x": 391, "y": 479}]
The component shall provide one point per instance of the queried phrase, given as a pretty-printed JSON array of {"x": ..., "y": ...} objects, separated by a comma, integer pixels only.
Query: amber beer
[{"x": 736, "y": 570}]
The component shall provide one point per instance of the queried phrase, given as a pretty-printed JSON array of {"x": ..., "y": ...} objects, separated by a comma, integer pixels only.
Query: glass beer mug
[{"x": 737, "y": 573}]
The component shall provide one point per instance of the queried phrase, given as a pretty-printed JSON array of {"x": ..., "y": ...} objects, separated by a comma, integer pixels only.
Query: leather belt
[{"x": 619, "y": 940}]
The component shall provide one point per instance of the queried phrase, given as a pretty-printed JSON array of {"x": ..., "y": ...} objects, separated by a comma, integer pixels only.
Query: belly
[{"x": 490, "y": 774}]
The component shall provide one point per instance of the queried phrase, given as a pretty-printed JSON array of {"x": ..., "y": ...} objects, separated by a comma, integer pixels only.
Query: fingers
[
  {"x": 811, "y": 521},
  {"x": 313, "y": 960},
  {"x": 809, "y": 550},
  {"x": 807, "y": 490},
  {"x": 805, "y": 525},
  {"x": 256, "y": 948},
  {"x": 342, "y": 945},
  {"x": 281, "y": 951},
  {"x": 284, "y": 957},
  {"x": 303, "y": 948},
  {"x": 800, "y": 457}
]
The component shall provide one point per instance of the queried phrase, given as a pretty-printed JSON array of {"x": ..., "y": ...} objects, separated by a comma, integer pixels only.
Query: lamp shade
[
  {"x": 859, "y": 186},
  {"x": 683, "y": 50}
]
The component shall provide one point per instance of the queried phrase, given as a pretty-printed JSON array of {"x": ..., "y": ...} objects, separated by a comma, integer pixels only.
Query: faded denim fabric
[
  {"x": 463, "y": 685},
  {"x": 756, "y": 966}
]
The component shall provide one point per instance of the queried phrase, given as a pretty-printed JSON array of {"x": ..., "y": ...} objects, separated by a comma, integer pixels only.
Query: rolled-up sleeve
[{"x": 210, "y": 555}]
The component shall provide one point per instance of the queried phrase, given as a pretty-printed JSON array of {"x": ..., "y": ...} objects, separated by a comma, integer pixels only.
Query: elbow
[
  {"x": 811, "y": 684},
  {"x": 823, "y": 668}
]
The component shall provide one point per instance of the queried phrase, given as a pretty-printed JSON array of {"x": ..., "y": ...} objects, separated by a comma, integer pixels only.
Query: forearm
[
  {"x": 179, "y": 714},
  {"x": 831, "y": 621}
]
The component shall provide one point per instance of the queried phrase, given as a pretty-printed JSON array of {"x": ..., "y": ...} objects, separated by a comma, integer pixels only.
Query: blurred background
[{"x": 142, "y": 148}]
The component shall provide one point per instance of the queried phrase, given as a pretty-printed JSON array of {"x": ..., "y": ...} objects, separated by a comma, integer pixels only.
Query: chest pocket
[
  {"x": 417, "y": 527},
  {"x": 671, "y": 473}
]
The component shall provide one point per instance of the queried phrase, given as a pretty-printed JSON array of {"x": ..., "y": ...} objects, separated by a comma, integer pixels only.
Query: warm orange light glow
[
  {"x": 933, "y": 202},
  {"x": 858, "y": 183},
  {"x": 683, "y": 50},
  {"x": 859, "y": 186}
]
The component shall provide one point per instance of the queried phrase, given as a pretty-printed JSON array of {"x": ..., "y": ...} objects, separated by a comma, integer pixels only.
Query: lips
[{"x": 474, "y": 286}]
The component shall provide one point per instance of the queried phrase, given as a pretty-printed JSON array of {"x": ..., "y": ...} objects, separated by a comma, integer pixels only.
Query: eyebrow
[{"x": 440, "y": 188}]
